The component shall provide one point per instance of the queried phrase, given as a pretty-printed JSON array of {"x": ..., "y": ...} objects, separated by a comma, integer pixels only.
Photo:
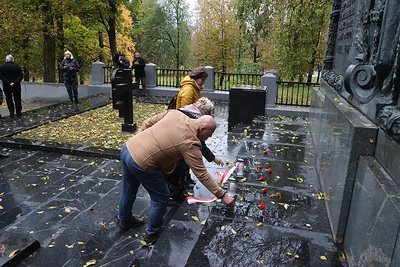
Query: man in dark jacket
[
  {"x": 69, "y": 66},
  {"x": 123, "y": 62},
  {"x": 11, "y": 75},
  {"x": 138, "y": 65}
]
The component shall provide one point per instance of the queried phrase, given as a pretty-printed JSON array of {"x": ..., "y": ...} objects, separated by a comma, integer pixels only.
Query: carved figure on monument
[{"x": 373, "y": 76}]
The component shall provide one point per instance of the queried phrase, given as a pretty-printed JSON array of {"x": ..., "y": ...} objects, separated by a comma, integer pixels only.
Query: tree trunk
[
  {"x": 49, "y": 45},
  {"x": 61, "y": 44},
  {"x": 112, "y": 35}
]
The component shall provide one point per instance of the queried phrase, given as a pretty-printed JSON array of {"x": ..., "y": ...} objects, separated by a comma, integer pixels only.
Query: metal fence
[
  {"x": 294, "y": 93},
  {"x": 170, "y": 77},
  {"x": 225, "y": 81},
  {"x": 289, "y": 93}
]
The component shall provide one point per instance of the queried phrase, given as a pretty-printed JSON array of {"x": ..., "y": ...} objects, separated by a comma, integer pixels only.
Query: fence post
[
  {"x": 210, "y": 82},
  {"x": 270, "y": 81},
  {"x": 151, "y": 75},
  {"x": 97, "y": 73}
]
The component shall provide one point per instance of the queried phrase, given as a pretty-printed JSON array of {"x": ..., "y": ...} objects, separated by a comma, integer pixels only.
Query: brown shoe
[
  {"x": 134, "y": 222},
  {"x": 151, "y": 239}
]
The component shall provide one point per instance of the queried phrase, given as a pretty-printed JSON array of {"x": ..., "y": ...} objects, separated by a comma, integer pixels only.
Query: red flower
[
  {"x": 265, "y": 151},
  {"x": 269, "y": 170},
  {"x": 264, "y": 191},
  {"x": 262, "y": 178},
  {"x": 261, "y": 206},
  {"x": 260, "y": 166}
]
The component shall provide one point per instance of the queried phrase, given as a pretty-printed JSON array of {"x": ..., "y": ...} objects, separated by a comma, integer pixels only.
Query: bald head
[{"x": 207, "y": 125}]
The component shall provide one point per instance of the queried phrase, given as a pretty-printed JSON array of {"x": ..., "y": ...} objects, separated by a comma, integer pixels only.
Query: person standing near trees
[
  {"x": 191, "y": 87},
  {"x": 11, "y": 75},
  {"x": 122, "y": 62},
  {"x": 69, "y": 66},
  {"x": 138, "y": 65}
]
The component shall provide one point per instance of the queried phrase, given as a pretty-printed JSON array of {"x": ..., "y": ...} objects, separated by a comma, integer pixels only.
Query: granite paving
[{"x": 65, "y": 198}]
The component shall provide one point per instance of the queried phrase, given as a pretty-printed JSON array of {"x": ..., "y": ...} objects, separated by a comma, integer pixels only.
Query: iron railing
[
  {"x": 294, "y": 93},
  {"x": 289, "y": 93},
  {"x": 225, "y": 81},
  {"x": 170, "y": 77}
]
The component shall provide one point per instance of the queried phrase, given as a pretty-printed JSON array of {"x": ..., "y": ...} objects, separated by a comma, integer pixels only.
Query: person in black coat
[
  {"x": 11, "y": 75},
  {"x": 69, "y": 66},
  {"x": 123, "y": 62},
  {"x": 138, "y": 65}
]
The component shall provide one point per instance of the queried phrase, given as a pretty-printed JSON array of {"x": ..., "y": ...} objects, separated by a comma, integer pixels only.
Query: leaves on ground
[{"x": 100, "y": 127}]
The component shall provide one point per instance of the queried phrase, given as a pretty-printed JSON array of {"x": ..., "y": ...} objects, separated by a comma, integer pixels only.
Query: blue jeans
[{"x": 152, "y": 181}]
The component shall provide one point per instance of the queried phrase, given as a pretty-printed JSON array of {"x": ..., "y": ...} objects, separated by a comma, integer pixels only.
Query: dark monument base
[
  {"x": 245, "y": 104},
  {"x": 359, "y": 175},
  {"x": 130, "y": 128}
]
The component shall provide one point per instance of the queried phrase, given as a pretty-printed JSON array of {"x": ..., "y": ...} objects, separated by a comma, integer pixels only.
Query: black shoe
[
  {"x": 151, "y": 239},
  {"x": 19, "y": 114},
  {"x": 76, "y": 101},
  {"x": 132, "y": 223},
  {"x": 12, "y": 115}
]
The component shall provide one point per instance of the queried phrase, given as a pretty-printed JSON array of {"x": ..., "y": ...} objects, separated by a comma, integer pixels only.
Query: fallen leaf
[
  {"x": 269, "y": 170},
  {"x": 276, "y": 195},
  {"x": 13, "y": 253},
  {"x": 67, "y": 209},
  {"x": 1, "y": 207},
  {"x": 233, "y": 231},
  {"x": 80, "y": 243},
  {"x": 89, "y": 263},
  {"x": 70, "y": 246},
  {"x": 260, "y": 224},
  {"x": 261, "y": 206},
  {"x": 195, "y": 218},
  {"x": 223, "y": 227},
  {"x": 203, "y": 222},
  {"x": 323, "y": 258}
]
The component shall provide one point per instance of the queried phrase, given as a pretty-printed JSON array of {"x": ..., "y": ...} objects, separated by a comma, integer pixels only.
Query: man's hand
[
  {"x": 219, "y": 161},
  {"x": 12, "y": 84},
  {"x": 228, "y": 200}
]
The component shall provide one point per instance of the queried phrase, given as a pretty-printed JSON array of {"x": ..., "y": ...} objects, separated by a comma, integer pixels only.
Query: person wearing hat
[
  {"x": 191, "y": 87},
  {"x": 69, "y": 66}
]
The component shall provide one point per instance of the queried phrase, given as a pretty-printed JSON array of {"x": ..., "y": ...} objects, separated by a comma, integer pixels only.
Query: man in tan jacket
[{"x": 161, "y": 141}]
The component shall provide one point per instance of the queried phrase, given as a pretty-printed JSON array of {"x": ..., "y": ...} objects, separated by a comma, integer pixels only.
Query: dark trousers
[
  {"x": 141, "y": 80},
  {"x": 72, "y": 88},
  {"x": 13, "y": 99}
]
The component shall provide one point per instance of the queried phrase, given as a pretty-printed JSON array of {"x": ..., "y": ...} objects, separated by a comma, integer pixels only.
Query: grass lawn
[{"x": 100, "y": 127}]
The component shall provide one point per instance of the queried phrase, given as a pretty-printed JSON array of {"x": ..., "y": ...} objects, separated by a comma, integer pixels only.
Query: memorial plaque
[
  {"x": 347, "y": 20},
  {"x": 362, "y": 60}
]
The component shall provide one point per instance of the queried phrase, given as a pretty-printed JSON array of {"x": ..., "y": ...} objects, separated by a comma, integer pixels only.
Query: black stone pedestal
[{"x": 245, "y": 103}]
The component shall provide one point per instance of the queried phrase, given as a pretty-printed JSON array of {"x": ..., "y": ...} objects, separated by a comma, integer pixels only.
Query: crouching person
[{"x": 160, "y": 143}]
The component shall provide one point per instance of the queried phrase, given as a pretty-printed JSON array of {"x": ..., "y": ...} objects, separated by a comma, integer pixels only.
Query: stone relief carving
[{"x": 374, "y": 78}]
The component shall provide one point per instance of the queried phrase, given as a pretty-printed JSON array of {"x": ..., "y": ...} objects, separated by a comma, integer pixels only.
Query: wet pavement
[{"x": 65, "y": 197}]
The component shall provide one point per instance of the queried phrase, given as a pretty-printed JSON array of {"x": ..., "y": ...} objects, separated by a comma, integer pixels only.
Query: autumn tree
[
  {"x": 254, "y": 18},
  {"x": 300, "y": 34},
  {"x": 162, "y": 32},
  {"x": 216, "y": 39}
]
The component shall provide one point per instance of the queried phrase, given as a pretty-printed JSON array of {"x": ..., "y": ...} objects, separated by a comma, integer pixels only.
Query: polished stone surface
[
  {"x": 374, "y": 220},
  {"x": 341, "y": 134},
  {"x": 68, "y": 202}
]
